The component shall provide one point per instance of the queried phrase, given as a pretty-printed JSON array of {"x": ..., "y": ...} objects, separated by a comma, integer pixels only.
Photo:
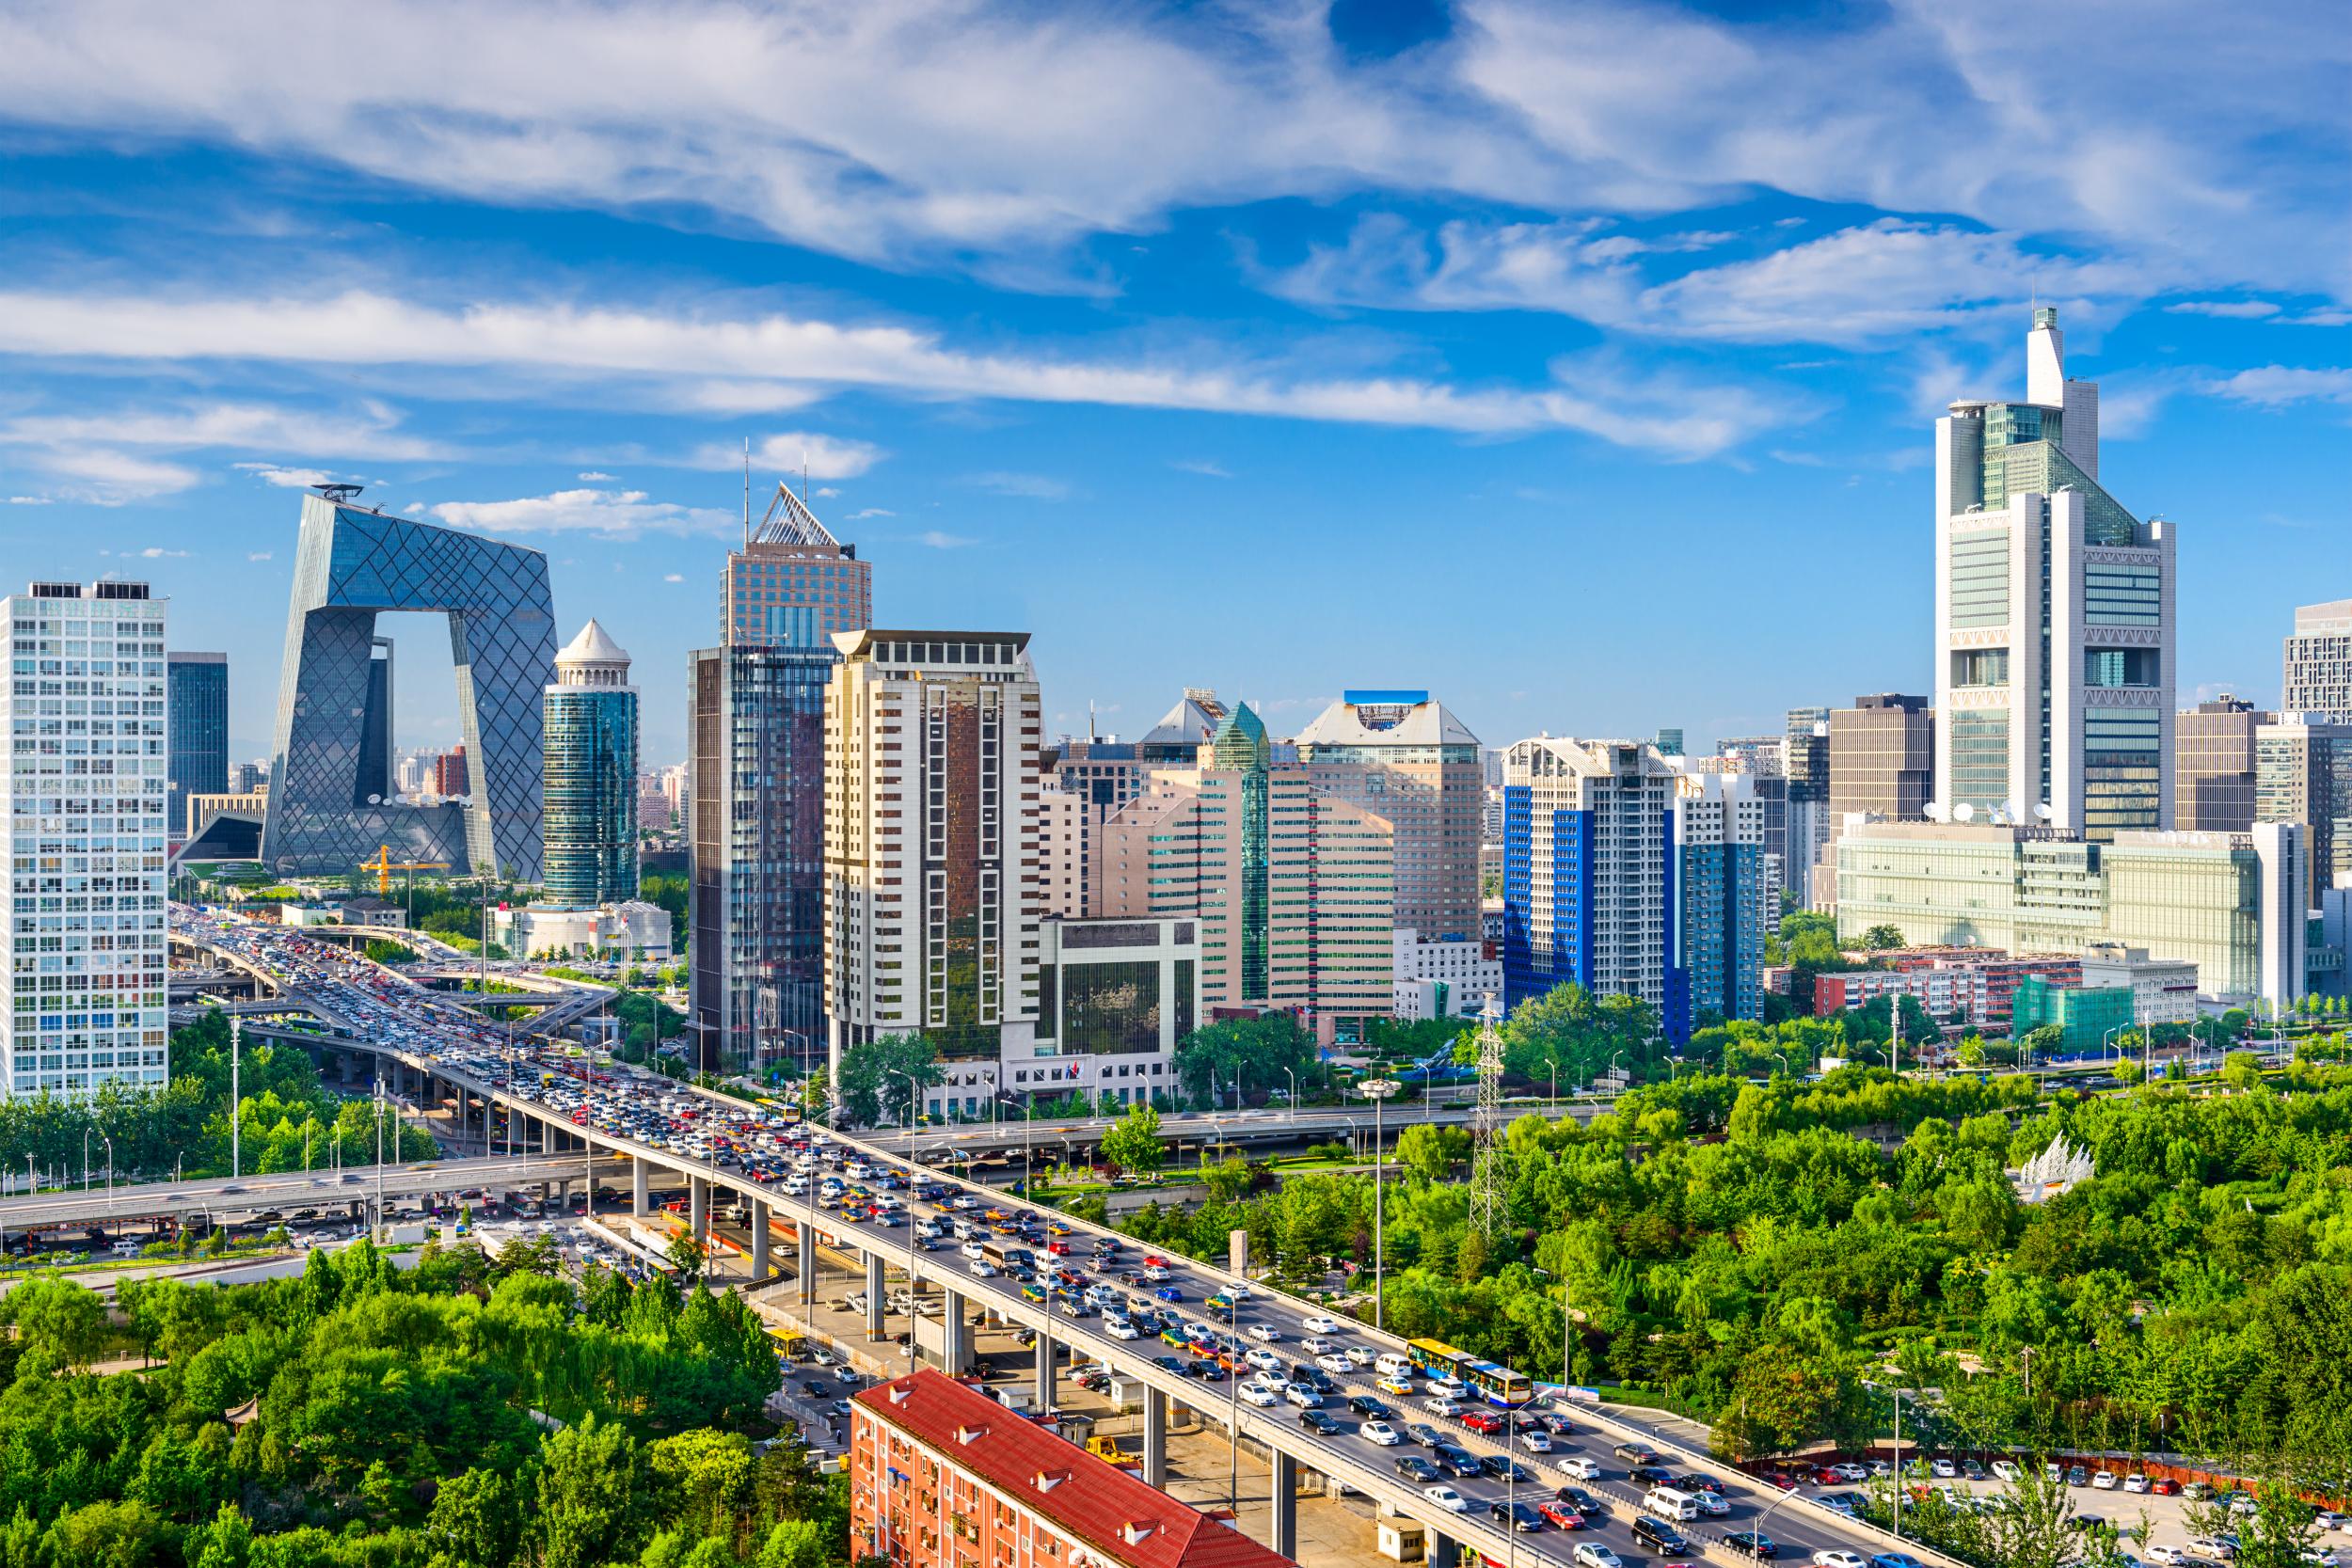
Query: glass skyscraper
[
  {"x": 2054, "y": 617},
  {"x": 589, "y": 835},
  {"x": 198, "y": 698}
]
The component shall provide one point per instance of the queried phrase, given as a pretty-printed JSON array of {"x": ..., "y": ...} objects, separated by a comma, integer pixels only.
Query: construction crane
[{"x": 383, "y": 865}]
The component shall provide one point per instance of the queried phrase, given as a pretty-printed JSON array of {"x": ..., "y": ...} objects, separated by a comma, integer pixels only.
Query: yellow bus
[{"x": 1496, "y": 1385}]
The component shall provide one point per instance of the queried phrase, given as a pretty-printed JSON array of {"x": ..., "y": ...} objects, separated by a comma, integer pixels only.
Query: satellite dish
[
  {"x": 375, "y": 799},
  {"x": 2042, "y": 809},
  {"x": 1935, "y": 810},
  {"x": 1965, "y": 811},
  {"x": 2011, "y": 809}
]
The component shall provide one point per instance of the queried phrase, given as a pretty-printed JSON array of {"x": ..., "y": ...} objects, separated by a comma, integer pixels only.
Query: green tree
[
  {"x": 593, "y": 1497},
  {"x": 1133, "y": 1144},
  {"x": 1431, "y": 1152},
  {"x": 873, "y": 1079},
  {"x": 477, "y": 1518},
  {"x": 61, "y": 1325},
  {"x": 686, "y": 1254}
]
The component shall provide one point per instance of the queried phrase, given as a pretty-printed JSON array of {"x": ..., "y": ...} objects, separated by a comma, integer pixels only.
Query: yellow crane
[{"x": 383, "y": 865}]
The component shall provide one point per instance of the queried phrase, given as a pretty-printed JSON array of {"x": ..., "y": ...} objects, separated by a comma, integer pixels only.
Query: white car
[
  {"x": 1320, "y": 1325},
  {"x": 1581, "y": 1467},
  {"x": 2137, "y": 1483},
  {"x": 972, "y": 1250},
  {"x": 1335, "y": 1362},
  {"x": 1237, "y": 1289},
  {"x": 2005, "y": 1469},
  {"x": 1449, "y": 1388},
  {"x": 1944, "y": 1469},
  {"x": 1357, "y": 1356},
  {"x": 1447, "y": 1499},
  {"x": 1535, "y": 1442},
  {"x": 1258, "y": 1394},
  {"x": 980, "y": 1268},
  {"x": 2105, "y": 1480},
  {"x": 2167, "y": 1553},
  {"x": 1381, "y": 1434},
  {"x": 1263, "y": 1334},
  {"x": 1837, "y": 1560},
  {"x": 1120, "y": 1328},
  {"x": 1316, "y": 1345},
  {"x": 2323, "y": 1556},
  {"x": 1265, "y": 1360},
  {"x": 1591, "y": 1554}
]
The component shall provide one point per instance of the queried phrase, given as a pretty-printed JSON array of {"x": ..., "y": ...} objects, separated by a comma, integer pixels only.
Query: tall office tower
[
  {"x": 792, "y": 570},
  {"x": 408, "y": 774},
  {"x": 1291, "y": 883},
  {"x": 1408, "y": 761},
  {"x": 754, "y": 812},
  {"x": 353, "y": 563},
  {"x": 2054, "y": 616},
  {"x": 374, "y": 781},
  {"x": 589, "y": 839},
  {"x": 448, "y": 773},
  {"x": 198, "y": 699},
  {"x": 1669, "y": 743},
  {"x": 1882, "y": 758},
  {"x": 653, "y": 804},
  {"x": 1719, "y": 830},
  {"x": 246, "y": 777},
  {"x": 2213, "y": 766},
  {"x": 2303, "y": 774},
  {"x": 1108, "y": 772},
  {"x": 933, "y": 743},
  {"x": 2319, "y": 662},
  {"x": 1805, "y": 762},
  {"x": 84, "y": 951},
  {"x": 1588, "y": 873},
  {"x": 1063, "y": 865}
]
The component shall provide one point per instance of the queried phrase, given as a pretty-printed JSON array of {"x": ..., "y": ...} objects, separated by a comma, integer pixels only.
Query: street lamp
[
  {"x": 85, "y": 1159},
  {"x": 1377, "y": 1090},
  {"x": 1293, "y": 1117},
  {"x": 1783, "y": 1059},
  {"x": 110, "y": 1171}
]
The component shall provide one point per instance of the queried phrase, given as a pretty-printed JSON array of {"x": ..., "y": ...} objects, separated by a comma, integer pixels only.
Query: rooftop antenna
[
  {"x": 747, "y": 492},
  {"x": 803, "y": 476}
]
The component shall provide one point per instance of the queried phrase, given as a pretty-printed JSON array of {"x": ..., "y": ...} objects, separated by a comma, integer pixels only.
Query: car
[
  {"x": 1208, "y": 1372},
  {"x": 1458, "y": 1460},
  {"x": 2167, "y": 1553},
  {"x": 1335, "y": 1363},
  {"x": 1713, "y": 1504},
  {"x": 1561, "y": 1515},
  {"x": 1535, "y": 1442},
  {"x": 1970, "y": 1469},
  {"x": 2135, "y": 1482},
  {"x": 1699, "y": 1484},
  {"x": 2164, "y": 1486},
  {"x": 1258, "y": 1394},
  {"x": 2105, "y": 1480},
  {"x": 1753, "y": 1544},
  {"x": 1320, "y": 1423},
  {"x": 1413, "y": 1467},
  {"x": 1503, "y": 1468},
  {"x": 1581, "y": 1467},
  {"x": 1437, "y": 1404},
  {"x": 1120, "y": 1328},
  {"x": 2196, "y": 1491},
  {"x": 1320, "y": 1325},
  {"x": 1895, "y": 1560},
  {"x": 1424, "y": 1433},
  {"x": 1635, "y": 1453},
  {"x": 1591, "y": 1554},
  {"x": 1651, "y": 1475},
  {"x": 1838, "y": 1558},
  {"x": 2088, "y": 1522},
  {"x": 1265, "y": 1334},
  {"x": 1357, "y": 1356},
  {"x": 1850, "y": 1474},
  {"x": 1580, "y": 1500},
  {"x": 1447, "y": 1499},
  {"x": 1364, "y": 1404},
  {"x": 1316, "y": 1345},
  {"x": 1660, "y": 1536},
  {"x": 1169, "y": 1293},
  {"x": 1263, "y": 1359},
  {"x": 1302, "y": 1396},
  {"x": 1484, "y": 1422},
  {"x": 2327, "y": 1520},
  {"x": 1847, "y": 1503},
  {"x": 2078, "y": 1475},
  {"x": 1517, "y": 1515},
  {"x": 812, "y": 1388},
  {"x": 1379, "y": 1434},
  {"x": 2217, "y": 1548},
  {"x": 1237, "y": 1289},
  {"x": 2005, "y": 1469},
  {"x": 1168, "y": 1364},
  {"x": 1943, "y": 1469},
  {"x": 1400, "y": 1387},
  {"x": 980, "y": 1268}
]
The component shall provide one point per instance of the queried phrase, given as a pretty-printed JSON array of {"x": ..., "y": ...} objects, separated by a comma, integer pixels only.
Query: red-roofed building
[{"x": 941, "y": 1476}]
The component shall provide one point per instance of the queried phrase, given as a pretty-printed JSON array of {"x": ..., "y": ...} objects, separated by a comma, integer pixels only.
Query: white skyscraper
[
  {"x": 2054, "y": 616},
  {"x": 85, "y": 798}
]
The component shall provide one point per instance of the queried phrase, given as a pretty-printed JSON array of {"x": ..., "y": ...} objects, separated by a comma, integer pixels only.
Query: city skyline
[{"x": 1448, "y": 337}]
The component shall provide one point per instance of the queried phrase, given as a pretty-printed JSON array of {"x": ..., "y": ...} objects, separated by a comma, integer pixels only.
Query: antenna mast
[
  {"x": 1487, "y": 1175},
  {"x": 747, "y": 492}
]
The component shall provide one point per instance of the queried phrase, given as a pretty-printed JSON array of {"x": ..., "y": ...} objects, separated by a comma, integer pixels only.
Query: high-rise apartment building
[
  {"x": 755, "y": 814},
  {"x": 2303, "y": 774},
  {"x": 793, "y": 584},
  {"x": 589, "y": 839},
  {"x": 1719, "y": 896},
  {"x": 87, "y": 716},
  {"x": 932, "y": 744},
  {"x": 1805, "y": 762},
  {"x": 450, "y": 774},
  {"x": 198, "y": 699},
  {"x": 2319, "y": 662},
  {"x": 1669, "y": 742},
  {"x": 1062, "y": 858},
  {"x": 2213, "y": 766},
  {"x": 1408, "y": 761},
  {"x": 1589, "y": 870},
  {"x": 2054, "y": 616},
  {"x": 1291, "y": 882}
]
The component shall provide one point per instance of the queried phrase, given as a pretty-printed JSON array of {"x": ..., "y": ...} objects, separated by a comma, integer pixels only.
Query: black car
[
  {"x": 1503, "y": 1467},
  {"x": 1580, "y": 1500},
  {"x": 1313, "y": 1377},
  {"x": 1208, "y": 1372},
  {"x": 1635, "y": 1453},
  {"x": 1168, "y": 1364},
  {"x": 1529, "y": 1420},
  {"x": 1320, "y": 1423},
  {"x": 1650, "y": 1475},
  {"x": 1661, "y": 1535},
  {"x": 1518, "y": 1515},
  {"x": 1413, "y": 1467},
  {"x": 1458, "y": 1460},
  {"x": 1698, "y": 1483},
  {"x": 1364, "y": 1404},
  {"x": 1751, "y": 1544},
  {"x": 816, "y": 1390}
]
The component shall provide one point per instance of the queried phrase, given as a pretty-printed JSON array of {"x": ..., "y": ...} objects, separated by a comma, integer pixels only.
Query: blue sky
[{"x": 1576, "y": 361}]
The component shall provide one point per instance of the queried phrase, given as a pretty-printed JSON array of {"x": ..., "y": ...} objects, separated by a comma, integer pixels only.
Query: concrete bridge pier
[
  {"x": 808, "y": 1261},
  {"x": 698, "y": 1210},
  {"x": 640, "y": 1188},
  {"x": 1045, "y": 1370},
  {"x": 1284, "y": 1528},
  {"x": 1155, "y": 1438},
  {"x": 874, "y": 1298},
  {"x": 760, "y": 1241}
]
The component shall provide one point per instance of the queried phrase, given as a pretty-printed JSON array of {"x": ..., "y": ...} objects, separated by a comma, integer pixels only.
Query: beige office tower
[
  {"x": 1407, "y": 760},
  {"x": 2319, "y": 662},
  {"x": 2213, "y": 766},
  {"x": 1062, "y": 823},
  {"x": 1291, "y": 882},
  {"x": 932, "y": 760}
]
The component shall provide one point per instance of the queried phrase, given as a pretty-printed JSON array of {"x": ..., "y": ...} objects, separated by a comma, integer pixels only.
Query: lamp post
[
  {"x": 110, "y": 1170},
  {"x": 85, "y": 1159},
  {"x": 1294, "y": 1078},
  {"x": 947, "y": 1337},
  {"x": 1377, "y": 1090},
  {"x": 1783, "y": 1059}
]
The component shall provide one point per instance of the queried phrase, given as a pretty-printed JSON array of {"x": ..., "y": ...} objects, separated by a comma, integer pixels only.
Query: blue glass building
[
  {"x": 199, "y": 732},
  {"x": 589, "y": 834}
]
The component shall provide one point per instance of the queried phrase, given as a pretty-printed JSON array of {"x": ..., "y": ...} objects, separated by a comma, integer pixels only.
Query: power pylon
[{"x": 1488, "y": 1205}]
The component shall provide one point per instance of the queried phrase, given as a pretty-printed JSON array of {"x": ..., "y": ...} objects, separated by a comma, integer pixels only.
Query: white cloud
[
  {"x": 827, "y": 491},
  {"x": 1201, "y": 466},
  {"x": 593, "y": 478},
  {"x": 614, "y": 514},
  {"x": 672, "y": 576},
  {"x": 369, "y": 431},
  {"x": 870, "y": 511},
  {"x": 2229, "y": 309},
  {"x": 30, "y": 501},
  {"x": 367, "y": 330},
  {"x": 2279, "y": 386},
  {"x": 260, "y": 555},
  {"x": 104, "y": 477},
  {"x": 940, "y": 541},
  {"x": 288, "y": 479},
  {"x": 824, "y": 456},
  {"x": 1035, "y": 487}
]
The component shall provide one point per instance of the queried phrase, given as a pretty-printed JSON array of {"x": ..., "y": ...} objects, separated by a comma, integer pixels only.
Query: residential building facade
[
  {"x": 589, "y": 837},
  {"x": 198, "y": 699},
  {"x": 87, "y": 714},
  {"x": 1447, "y": 979},
  {"x": 2163, "y": 990},
  {"x": 1589, "y": 873},
  {"x": 2303, "y": 774},
  {"x": 2318, "y": 666},
  {"x": 1408, "y": 761},
  {"x": 1062, "y": 822},
  {"x": 1719, "y": 896},
  {"x": 2054, "y": 617},
  {"x": 932, "y": 742}
]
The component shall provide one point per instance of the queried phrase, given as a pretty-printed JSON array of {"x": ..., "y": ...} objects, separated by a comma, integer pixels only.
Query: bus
[{"x": 1496, "y": 1385}]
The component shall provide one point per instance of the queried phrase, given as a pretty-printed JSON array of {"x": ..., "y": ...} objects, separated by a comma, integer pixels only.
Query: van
[
  {"x": 1667, "y": 1503},
  {"x": 1393, "y": 1365}
]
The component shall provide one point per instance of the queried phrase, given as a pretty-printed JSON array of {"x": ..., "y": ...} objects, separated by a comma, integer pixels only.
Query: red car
[
  {"x": 1485, "y": 1422},
  {"x": 2165, "y": 1486},
  {"x": 1154, "y": 1261},
  {"x": 1561, "y": 1515}
]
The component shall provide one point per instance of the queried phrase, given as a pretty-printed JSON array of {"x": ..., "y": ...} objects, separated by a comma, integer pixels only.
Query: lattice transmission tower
[{"x": 1489, "y": 1208}]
